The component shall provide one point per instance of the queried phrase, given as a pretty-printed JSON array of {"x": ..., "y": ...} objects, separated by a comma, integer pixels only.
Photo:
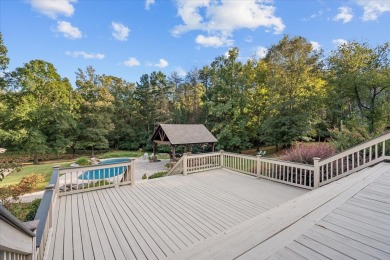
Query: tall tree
[
  {"x": 227, "y": 115},
  {"x": 40, "y": 109},
  {"x": 174, "y": 83},
  {"x": 95, "y": 122},
  {"x": 296, "y": 85},
  {"x": 360, "y": 76},
  {"x": 4, "y": 61},
  {"x": 125, "y": 114}
]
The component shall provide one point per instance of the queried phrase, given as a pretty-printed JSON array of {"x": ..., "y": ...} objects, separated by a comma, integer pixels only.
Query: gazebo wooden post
[
  {"x": 154, "y": 148},
  {"x": 173, "y": 153},
  {"x": 212, "y": 147}
]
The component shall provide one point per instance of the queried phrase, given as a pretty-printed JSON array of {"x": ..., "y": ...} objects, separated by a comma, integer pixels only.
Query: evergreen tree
[{"x": 95, "y": 114}]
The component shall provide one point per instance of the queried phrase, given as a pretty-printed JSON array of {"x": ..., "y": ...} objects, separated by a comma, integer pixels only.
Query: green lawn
[
  {"x": 117, "y": 154},
  {"x": 46, "y": 169}
]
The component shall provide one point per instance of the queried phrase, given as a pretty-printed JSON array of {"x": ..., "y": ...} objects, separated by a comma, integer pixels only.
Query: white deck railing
[
  {"x": 353, "y": 159},
  {"x": 296, "y": 174},
  {"x": 201, "y": 162},
  {"x": 79, "y": 179},
  {"x": 241, "y": 163},
  {"x": 177, "y": 168}
]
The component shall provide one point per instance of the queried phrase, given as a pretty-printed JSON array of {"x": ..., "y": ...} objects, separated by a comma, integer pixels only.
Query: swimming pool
[{"x": 106, "y": 173}]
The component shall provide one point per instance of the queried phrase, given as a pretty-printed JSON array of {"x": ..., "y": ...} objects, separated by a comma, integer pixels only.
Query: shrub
[
  {"x": 11, "y": 193},
  {"x": 304, "y": 153},
  {"x": 144, "y": 176},
  {"x": 169, "y": 165},
  {"x": 33, "y": 210},
  {"x": 346, "y": 138},
  {"x": 83, "y": 161},
  {"x": 25, "y": 211},
  {"x": 157, "y": 175}
]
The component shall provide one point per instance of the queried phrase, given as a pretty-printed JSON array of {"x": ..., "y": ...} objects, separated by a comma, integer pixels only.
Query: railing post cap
[
  {"x": 56, "y": 167},
  {"x": 221, "y": 151},
  {"x": 316, "y": 158},
  {"x": 50, "y": 187},
  {"x": 258, "y": 155}
]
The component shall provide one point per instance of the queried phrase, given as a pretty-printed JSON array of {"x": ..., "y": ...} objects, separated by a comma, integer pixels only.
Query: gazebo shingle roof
[{"x": 186, "y": 134}]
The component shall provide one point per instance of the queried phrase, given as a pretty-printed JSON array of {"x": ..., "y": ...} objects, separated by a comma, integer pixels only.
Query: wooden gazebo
[{"x": 182, "y": 134}]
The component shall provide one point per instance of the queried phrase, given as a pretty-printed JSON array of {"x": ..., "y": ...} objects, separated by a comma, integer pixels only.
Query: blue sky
[{"x": 127, "y": 38}]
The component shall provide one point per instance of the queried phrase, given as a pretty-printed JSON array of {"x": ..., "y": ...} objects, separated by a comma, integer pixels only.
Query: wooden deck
[
  {"x": 347, "y": 219},
  {"x": 357, "y": 229},
  {"x": 160, "y": 218}
]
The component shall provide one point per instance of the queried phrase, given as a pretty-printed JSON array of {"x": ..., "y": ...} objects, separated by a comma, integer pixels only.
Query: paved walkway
[{"x": 142, "y": 166}]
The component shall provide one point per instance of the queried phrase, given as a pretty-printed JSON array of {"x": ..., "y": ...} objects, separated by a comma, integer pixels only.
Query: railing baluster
[
  {"x": 301, "y": 173},
  {"x": 331, "y": 169},
  {"x": 376, "y": 151},
  {"x": 370, "y": 153},
  {"x": 384, "y": 149}
]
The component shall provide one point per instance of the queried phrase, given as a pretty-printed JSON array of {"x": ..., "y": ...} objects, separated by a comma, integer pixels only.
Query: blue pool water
[{"x": 107, "y": 172}]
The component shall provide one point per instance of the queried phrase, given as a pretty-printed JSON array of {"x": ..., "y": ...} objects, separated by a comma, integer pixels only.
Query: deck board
[
  {"x": 90, "y": 221},
  {"x": 159, "y": 218},
  {"x": 77, "y": 243},
  {"x": 85, "y": 236},
  {"x": 359, "y": 228}
]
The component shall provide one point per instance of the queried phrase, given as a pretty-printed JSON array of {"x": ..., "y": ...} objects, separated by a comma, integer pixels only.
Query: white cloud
[
  {"x": 85, "y": 55},
  {"x": 148, "y": 3},
  {"x": 68, "y": 30},
  {"x": 316, "y": 46},
  {"x": 131, "y": 62},
  {"x": 373, "y": 8},
  {"x": 53, "y": 8},
  {"x": 345, "y": 14},
  {"x": 221, "y": 18},
  {"x": 261, "y": 52},
  {"x": 213, "y": 41},
  {"x": 121, "y": 32},
  {"x": 339, "y": 42},
  {"x": 162, "y": 64},
  {"x": 181, "y": 72}
]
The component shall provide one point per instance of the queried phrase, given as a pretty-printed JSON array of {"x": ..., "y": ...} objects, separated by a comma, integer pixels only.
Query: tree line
[{"x": 294, "y": 93}]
